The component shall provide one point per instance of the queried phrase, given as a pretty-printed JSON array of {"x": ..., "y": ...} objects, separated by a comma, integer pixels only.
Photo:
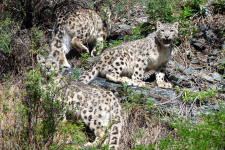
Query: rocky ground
[{"x": 196, "y": 65}]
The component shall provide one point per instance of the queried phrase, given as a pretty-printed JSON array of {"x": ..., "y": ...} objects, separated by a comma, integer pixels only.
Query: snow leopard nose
[
  {"x": 166, "y": 37},
  {"x": 47, "y": 67}
]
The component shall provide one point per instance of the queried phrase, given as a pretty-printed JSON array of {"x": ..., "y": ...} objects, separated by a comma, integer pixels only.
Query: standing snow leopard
[{"x": 79, "y": 27}]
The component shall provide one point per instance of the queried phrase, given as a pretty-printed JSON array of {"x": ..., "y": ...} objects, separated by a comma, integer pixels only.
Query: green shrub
[
  {"x": 135, "y": 97},
  {"x": 207, "y": 134},
  {"x": 41, "y": 114},
  {"x": 195, "y": 3},
  {"x": 161, "y": 10},
  {"x": 170, "y": 11},
  {"x": 191, "y": 96},
  {"x": 7, "y": 29},
  {"x": 35, "y": 37},
  {"x": 84, "y": 61},
  {"x": 219, "y": 6}
]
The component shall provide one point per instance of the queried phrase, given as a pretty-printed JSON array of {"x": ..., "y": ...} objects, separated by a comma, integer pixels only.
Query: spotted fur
[
  {"x": 74, "y": 29},
  {"x": 134, "y": 61},
  {"x": 98, "y": 108}
]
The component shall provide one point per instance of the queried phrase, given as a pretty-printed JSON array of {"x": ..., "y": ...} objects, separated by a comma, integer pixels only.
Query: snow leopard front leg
[
  {"x": 139, "y": 72},
  {"x": 160, "y": 75}
]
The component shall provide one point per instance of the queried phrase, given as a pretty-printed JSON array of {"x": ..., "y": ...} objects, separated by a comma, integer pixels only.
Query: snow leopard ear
[
  {"x": 176, "y": 24},
  {"x": 158, "y": 24},
  {"x": 39, "y": 58}
]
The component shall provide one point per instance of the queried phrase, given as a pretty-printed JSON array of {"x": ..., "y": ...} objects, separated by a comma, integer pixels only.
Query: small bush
[
  {"x": 202, "y": 95},
  {"x": 161, "y": 10},
  {"x": 207, "y": 134},
  {"x": 40, "y": 114}
]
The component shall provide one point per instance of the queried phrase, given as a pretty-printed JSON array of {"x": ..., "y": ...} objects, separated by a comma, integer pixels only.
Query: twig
[
  {"x": 170, "y": 100},
  {"x": 194, "y": 15},
  {"x": 17, "y": 129},
  {"x": 198, "y": 21},
  {"x": 71, "y": 142},
  {"x": 155, "y": 140},
  {"x": 182, "y": 106},
  {"x": 192, "y": 105},
  {"x": 60, "y": 145}
]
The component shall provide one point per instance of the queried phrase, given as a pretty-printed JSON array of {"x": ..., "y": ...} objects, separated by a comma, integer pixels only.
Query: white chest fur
[
  {"x": 158, "y": 57},
  {"x": 66, "y": 44}
]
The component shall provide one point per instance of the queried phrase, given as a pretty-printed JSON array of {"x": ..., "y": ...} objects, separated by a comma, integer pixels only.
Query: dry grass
[
  {"x": 10, "y": 95},
  {"x": 140, "y": 129},
  {"x": 20, "y": 57}
]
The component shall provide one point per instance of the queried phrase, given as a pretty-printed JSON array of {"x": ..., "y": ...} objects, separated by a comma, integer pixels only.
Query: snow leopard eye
[
  {"x": 162, "y": 30},
  {"x": 171, "y": 30}
]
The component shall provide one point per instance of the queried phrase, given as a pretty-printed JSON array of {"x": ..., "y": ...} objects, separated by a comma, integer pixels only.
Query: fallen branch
[{"x": 170, "y": 100}]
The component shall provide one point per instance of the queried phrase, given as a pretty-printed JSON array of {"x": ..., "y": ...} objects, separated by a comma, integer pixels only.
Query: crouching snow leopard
[
  {"x": 135, "y": 61},
  {"x": 82, "y": 26},
  {"x": 98, "y": 108}
]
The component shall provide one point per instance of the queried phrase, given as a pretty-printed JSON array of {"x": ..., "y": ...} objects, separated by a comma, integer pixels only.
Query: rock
[
  {"x": 118, "y": 31},
  {"x": 198, "y": 68},
  {"x": 216, "y": 76},
  {"x": 174, "y": 65},
  {"x": 195, "y": 113},
  {"x": 217, "y": 52},
  {"x": 207, "y": 112},
  {"x": 173, "y": 77},
  {"x": 223, "y": 46},
  {"x": 210, "y": 59},
  {"x": 133, "y": 24},
  {"x": 195, "y": 62},
  {"x": 181, "y": 67},
  {"x": 131, "y": 12},
  {"x": 153, "y": 93},
  {"x": 124, "y": 19},
  {"x": 141, "y": 19},
  {"x": 190, "y": 70},
  {"x": 193, "y": 40},
  {"x": 104, "y": 83},
  {"x": 214, "y": 86},
  {"x": 204, "y": 107},
  {"x": 184, "y": 78},
  {"x": 206, "y": 77},
  {"x": 124, "y": 26},
  {"x": 214, "y": 54},
  {"x": 117, "y": 11},
  {"x": 222, "y": 60},
  {"x": 199, "y": 46},
  {"x": 204, "y": 60},
  {"x": 209, "y": 34},
  {"x": 186, "y": 84},
  {"x": 216, "y": 107},
  {"x": 71, "y": 72},
  {"x": 214, "y": 65},
  {"x": 93, "y": 59},
  {"x": 171, "y": 63},
  {"x": 175, "y": 50},
  {"x": 205, "y": 10},
  {"x": 179, "y": 79}
]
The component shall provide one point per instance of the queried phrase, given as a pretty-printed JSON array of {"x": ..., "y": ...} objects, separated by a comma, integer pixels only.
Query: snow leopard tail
[
  {"x": 116, "y": 122},
  {"x": 88, "y": 76}
]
